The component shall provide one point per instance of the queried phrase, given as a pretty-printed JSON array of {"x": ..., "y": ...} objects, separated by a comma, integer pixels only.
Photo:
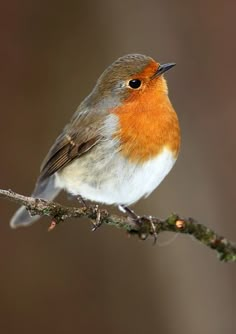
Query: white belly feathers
[{"x": 111, "y": 179}]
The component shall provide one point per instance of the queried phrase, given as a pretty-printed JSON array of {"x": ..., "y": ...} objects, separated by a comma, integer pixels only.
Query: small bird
[{"x": 121, "y": 142}]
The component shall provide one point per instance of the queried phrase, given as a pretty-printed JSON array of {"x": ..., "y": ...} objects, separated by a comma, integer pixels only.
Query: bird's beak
[{"x": 162, "y": 69}]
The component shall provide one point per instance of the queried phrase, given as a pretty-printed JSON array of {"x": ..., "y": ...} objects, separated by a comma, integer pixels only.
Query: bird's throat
[{"x": 147, "y": 126}]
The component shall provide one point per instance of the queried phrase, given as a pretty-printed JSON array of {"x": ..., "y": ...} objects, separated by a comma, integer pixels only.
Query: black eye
[{"x": 135, "y": 83}]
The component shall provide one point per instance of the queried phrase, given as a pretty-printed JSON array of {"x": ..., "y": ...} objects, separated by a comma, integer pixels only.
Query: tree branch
[{"x": 147, "y": 226}]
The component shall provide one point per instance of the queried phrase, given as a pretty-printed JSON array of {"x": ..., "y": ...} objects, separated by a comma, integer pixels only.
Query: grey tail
[{"x": 45, "y": 189}]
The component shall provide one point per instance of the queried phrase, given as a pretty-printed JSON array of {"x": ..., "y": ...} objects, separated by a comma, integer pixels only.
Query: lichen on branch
[{"x": 146, "y": 225}]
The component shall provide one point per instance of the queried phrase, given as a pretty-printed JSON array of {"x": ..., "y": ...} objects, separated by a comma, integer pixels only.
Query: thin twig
[{"x": 147, "y": 225}]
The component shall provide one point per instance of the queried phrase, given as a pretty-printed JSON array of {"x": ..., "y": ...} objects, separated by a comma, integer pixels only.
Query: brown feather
[
  {"x": 78, "y": 137},
  {"x": 62, "y": 153}
]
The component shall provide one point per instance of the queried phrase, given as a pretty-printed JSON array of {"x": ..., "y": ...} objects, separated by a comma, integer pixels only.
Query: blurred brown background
[{"x": 72, "y": 280}]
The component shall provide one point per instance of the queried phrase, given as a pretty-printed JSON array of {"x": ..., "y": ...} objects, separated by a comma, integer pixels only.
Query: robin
[{"x": 121, "y": 142}]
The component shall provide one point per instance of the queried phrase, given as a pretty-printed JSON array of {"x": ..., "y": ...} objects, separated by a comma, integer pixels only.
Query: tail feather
[{"x": 45, "y": 189}]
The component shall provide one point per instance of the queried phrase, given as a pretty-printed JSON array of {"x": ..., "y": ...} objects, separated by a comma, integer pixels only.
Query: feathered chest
[{"x": 146, "y": 126}]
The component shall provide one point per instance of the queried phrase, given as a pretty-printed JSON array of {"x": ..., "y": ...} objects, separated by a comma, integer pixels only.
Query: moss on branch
[{"x": 146, "y": 226}]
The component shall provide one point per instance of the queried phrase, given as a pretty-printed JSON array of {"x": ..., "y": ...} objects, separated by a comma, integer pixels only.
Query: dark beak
[{"x": 162, "y": 69}]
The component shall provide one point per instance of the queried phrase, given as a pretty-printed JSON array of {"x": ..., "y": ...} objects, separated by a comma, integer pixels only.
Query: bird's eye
[{"x": 135, "y": 83}]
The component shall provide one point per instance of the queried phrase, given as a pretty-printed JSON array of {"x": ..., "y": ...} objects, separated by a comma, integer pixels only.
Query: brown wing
[
  {"x": 63, "y": 152},
  {"x": 78, "y": 137}
]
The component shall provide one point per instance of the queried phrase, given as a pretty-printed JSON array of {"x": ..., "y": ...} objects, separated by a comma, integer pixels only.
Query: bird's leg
[
  {"x": 79, "y": 198},
  {"x": 128, "y": 211},
  {"x": 141, "y": 222},
  {"x": 82, "y": 201},
  {"x": 97, "y": 223}
]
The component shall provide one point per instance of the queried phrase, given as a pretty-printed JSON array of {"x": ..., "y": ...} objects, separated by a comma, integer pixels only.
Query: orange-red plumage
[{"x": 148, "y": 122}]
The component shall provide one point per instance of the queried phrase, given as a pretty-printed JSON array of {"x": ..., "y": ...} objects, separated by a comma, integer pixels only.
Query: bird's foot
[
  {"x": 97, "y": 222},
  {"x": 145, "y": 223}
]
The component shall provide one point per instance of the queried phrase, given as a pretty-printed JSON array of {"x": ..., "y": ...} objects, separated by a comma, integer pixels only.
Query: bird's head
[{"x": 130, "y": 76}]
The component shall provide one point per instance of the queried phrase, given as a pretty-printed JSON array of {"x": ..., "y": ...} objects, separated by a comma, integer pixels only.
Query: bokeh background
[{"x": 72, "y": 280}]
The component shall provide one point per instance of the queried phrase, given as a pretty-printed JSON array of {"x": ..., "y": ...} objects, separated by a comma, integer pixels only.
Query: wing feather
[{"x": 80, "y": 136}]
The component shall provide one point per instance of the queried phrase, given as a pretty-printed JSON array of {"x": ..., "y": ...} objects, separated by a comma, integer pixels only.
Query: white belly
[{"x": 113, "y": 180}]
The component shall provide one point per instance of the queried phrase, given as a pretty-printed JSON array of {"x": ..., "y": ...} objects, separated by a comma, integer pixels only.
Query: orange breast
[{"x": 148, "y": 124}]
